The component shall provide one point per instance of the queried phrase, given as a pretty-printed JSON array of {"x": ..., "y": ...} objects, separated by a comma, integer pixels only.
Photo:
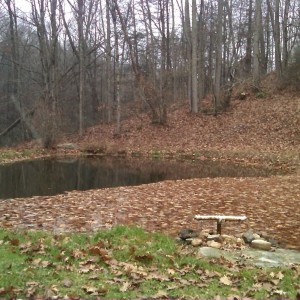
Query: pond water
[{"x": 54, "y": 176}]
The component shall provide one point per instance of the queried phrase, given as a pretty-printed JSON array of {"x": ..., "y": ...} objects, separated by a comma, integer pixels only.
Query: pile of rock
[
  {"x": 259, "y": 241},
  {"x": 250, "y": 248},
  {"x": 205, "y": 238}
]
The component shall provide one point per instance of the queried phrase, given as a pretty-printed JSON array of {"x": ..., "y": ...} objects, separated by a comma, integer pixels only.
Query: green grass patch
[
  {"x": 126, "y": 262},
  {"x": 9, "y": 155}
]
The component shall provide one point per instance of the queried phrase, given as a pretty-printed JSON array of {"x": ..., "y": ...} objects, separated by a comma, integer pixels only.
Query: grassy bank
[{"x": 127, "y": 262}]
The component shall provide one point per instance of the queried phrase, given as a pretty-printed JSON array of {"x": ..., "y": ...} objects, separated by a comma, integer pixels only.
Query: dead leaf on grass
[
  {"x": 225, "y": 280},
  {"x": 160, "y": 294},
  {"x": 125, "y": 286}
]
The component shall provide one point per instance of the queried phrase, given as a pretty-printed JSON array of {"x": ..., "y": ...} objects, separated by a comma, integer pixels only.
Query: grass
[
  {"x": 9, "y": 155},
  {"x": 125, "y": 262}
]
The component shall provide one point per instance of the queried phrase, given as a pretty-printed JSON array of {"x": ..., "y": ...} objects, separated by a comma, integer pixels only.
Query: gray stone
[
  {"x": 248, "y": 236},
  {"x": 260, "y": 258},
  {"x": 214, "y": 244},
  {"x": 261, "y": 244},
  {"x": 214, "y": 237},
  {"x": 210, "y": 252},
  {"x": 280, "y": 257},
  {"x": 187, "y": 234}
]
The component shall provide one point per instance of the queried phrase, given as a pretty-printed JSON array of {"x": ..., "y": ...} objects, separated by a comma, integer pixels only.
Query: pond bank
[{"x": 269, "y": 204}]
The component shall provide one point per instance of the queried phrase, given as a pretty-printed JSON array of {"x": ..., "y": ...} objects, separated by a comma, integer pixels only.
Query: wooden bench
[{"x": 220, "y": 219}]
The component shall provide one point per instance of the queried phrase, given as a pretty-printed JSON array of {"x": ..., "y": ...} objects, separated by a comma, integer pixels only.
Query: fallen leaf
[
  {"x": 46, "y": 264},
  {"x": 36, "y": 261},
  {"x": 145, "y": 258},
  {"x": 90, "y": 290},
  {"x": 125, "y": 287},
  {"x": 225, "y": 280},
  {"x": 14, "y": 242},
  {"x": 279, "y": 275},
  {"x": 160, "y": 294},
  {"x": 32, "y": 283}
]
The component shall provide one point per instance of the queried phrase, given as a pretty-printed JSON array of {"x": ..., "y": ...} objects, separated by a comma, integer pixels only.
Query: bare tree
[
  {"x": 194, "y": 58},
  {"x": 256, "y": 56},
  {"x": 218, "y": 69}
]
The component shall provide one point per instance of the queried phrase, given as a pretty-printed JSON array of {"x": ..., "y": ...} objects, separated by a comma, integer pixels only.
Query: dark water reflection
[{"x": 54, "y": 176}]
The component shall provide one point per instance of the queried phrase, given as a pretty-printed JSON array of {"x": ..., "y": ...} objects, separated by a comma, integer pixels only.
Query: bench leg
[{"x": 219, "y": 227}]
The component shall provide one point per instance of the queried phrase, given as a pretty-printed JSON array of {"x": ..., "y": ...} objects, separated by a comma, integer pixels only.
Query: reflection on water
[{"x": 54, "y": 176}]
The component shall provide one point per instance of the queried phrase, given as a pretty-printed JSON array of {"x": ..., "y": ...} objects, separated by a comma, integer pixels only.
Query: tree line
[{"x": 69, "y": 64}]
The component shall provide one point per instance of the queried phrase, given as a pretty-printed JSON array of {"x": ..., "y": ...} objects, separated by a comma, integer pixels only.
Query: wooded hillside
[{"x": 66, "y": 65}]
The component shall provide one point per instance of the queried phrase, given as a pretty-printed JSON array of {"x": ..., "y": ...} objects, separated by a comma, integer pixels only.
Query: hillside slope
[{"x": 250, "y": 128}]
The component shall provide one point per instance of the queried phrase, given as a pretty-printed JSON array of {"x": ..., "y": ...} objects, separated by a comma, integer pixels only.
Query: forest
[{"x": 66, "y": 65}]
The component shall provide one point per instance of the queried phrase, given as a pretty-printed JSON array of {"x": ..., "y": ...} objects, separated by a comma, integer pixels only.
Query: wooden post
[{"x": 219, "y": 226}]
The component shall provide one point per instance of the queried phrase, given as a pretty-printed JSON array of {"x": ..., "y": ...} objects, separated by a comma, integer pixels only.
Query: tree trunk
[
  {"x": 285, "y": 35},
  {"x": 249, "y": 40},
  {"x": 108, "y": 63},
  {"x": 218, "y": 69},
  {"x": 194, "y": 58},
  {"x": 187, "y": 33},
  {"x": 277, "y": 40},
  {"x": 81, "y": 52},
  {"x": 256, "y": 56},
  {"x": 201, "y": 65},
  {"x": 117, "y": 74}
]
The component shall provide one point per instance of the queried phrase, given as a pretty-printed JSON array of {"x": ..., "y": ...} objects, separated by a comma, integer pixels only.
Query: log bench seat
[{"x": 219, "y": 219}]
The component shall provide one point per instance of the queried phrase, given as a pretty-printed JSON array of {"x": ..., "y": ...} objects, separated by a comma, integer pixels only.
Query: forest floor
[{"x": 260, "y": 131}]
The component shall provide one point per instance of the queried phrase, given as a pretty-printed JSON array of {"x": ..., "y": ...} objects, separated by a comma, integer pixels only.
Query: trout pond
[{"x": 53, "y": 176}]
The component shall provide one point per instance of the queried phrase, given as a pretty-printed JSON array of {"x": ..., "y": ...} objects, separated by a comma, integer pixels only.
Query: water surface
[{"x": 54, "y": 176}]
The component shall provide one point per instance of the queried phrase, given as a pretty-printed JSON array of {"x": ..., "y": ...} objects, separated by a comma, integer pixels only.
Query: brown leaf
[
  {"x": 125, "y": 287},
  {"x": 90, "y": 290},
  {"x": 145, "y": 258},
  {"x": 94, "y": 291},
  {"x": 32, "y": 283},
  {"x": 36, "y": 261},
  {"x": 94, "y": 277},
  {"x": 14, "y": 242},
  {"x": 160, "y": 294},
  {"x": 225, "y": 280},
  {"x": 46, "y": 264}
]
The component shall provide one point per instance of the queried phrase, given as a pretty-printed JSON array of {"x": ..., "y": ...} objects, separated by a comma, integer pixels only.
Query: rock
[
  {"x": 248, "y": 236},
  {"x": 256, "y": 236},
  {"x": 261, "y": 244},
  {"x": 187, "y": 234},
  {"x": 210, "y": 252},
  {"x": 274, "y": 243},
  {"x": 67, "y": 146},
  {"x": 196, "y": 242},
  {"x": 240, "y": 242},
  {"x": 228, "y": 238},
  {"x": 67, "y": 283},
  {"x": 188, "y": 241},
  {"x": 214, "y": 244},
  {"x": 214, "y": 237},
  {"x": 231, "y": 240}
]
